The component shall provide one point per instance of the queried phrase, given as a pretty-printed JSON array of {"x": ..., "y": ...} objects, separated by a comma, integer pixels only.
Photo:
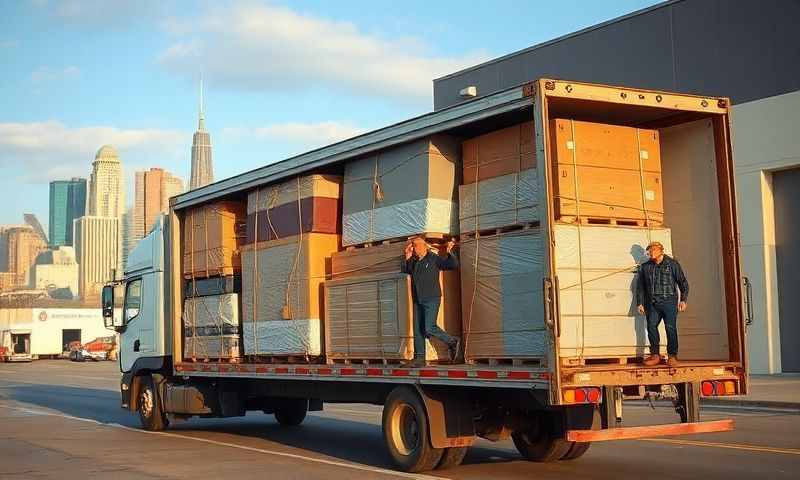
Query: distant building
[
  {"x": 106, "y": 185},
  {"x": 98, "y": 252},
  {"x": 67, "y": 202},
  {"x": 4, "y": 230},
  {"x": 154, "y": 188},
  {"x": 57, "y": 270},
  {"x": 23, "y": 245},
  {"x": 128, "y": 239},
  {"x": 202, "y": 169}
]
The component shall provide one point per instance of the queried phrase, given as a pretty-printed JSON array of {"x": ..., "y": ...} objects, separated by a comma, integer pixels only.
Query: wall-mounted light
[{"x": 469, "y": 92}]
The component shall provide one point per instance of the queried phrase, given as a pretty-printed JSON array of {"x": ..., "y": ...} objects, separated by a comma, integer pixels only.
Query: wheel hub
[
  {"x": 146, "y": 402},
  {"x": 405, "y": 430}
]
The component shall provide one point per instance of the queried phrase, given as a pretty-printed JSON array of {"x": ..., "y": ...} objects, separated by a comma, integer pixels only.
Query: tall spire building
[{"x": 202, "y": 169}]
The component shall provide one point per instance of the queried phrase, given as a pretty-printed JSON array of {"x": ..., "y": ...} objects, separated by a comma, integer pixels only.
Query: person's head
[
  {"x": 420, "y": 246},
  {"x": 655, "y": 250}
]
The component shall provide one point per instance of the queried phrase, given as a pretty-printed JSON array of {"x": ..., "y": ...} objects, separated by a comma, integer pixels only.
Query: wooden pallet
[
  {"x": 583, "y": 361},
  {"x": 499, "y": 231},
  {"x": 620, "y": 222},
  {"x": 366, "y": 361},
  {"x": 502, "y": 361},
  {"x": 283, "y": 359},
  {"x": 431, "y": 237},
  {"x": 213, "y": 360}
]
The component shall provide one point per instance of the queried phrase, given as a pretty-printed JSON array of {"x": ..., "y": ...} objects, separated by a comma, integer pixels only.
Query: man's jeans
[
  {"x": 663, "y": 308},
  {"x": 425, "y": 314}
]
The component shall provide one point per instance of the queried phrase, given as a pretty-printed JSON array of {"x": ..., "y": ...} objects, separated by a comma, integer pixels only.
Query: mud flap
[{"x": 450, "y": 418}]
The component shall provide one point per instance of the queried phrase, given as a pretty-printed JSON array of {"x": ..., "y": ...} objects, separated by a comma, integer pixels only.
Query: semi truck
[{"x": 552, "y": 409}]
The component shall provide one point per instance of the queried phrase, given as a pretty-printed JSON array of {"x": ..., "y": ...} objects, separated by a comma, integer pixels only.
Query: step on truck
[{"x": 554, "y": 408}]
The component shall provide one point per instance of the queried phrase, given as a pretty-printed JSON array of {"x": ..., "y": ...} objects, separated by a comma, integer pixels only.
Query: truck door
[{"x": 138, "y": 320}]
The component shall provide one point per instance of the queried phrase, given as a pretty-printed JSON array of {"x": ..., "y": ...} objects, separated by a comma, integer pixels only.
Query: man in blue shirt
[
  {"x": 660, "y": 281},
  {"x": 424, "y": 266}
]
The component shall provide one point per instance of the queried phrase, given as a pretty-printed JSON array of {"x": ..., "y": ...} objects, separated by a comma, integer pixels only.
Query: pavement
[
  {"x": 766, "y": 391},
  {"x": 62, "y": 418}
]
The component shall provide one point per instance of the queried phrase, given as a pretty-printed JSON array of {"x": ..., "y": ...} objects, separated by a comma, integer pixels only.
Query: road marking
[
  {"x": 354, "y": 466},
  {"x": 732, "y": 446}
]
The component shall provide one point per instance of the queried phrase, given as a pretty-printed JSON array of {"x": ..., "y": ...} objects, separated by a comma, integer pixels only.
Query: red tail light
[
  {"x": 582, "y": 395},
  {"x": 718, "y": 388}
]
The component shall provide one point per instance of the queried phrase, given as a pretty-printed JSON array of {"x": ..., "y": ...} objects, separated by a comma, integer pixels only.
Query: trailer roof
[{"x": 501, "y": 102}]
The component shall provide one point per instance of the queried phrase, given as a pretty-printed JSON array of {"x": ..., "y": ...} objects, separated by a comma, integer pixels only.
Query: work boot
[
  {"x": 672, "y": 361},
  {"x": 415, "y": 363},
  {"x": 652, "y": 360},
  {"x": 454, "y": 349}
]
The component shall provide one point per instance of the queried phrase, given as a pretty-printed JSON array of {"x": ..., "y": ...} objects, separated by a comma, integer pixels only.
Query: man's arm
[
  {"x": 680, "y": 279},
  {"x": 450, "y": 262},
  {"x": 641, "y": 285}
]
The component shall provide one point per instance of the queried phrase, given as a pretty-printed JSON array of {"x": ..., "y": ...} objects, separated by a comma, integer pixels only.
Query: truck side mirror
[{"x": 107, "y": 300}]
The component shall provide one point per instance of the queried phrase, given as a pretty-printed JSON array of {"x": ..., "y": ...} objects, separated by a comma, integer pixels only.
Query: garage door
[{"x": 786, "y": 190}]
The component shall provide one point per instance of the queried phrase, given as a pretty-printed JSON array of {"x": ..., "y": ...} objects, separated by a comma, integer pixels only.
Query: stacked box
[
  {"x": 370, "y": 317},
  {"x": 201, "y": 287},
  {"x": 500, "y": 201},
  {"x": 499, "y": 153},
  {"x": 596, "y": 269},
  {"x": 402, "y": 191},
  {"x": 211, "y": 238},
  {"x": 211, "y": 327},
  {"x": 606, "y": 172},
  {"x": 282, "y": 303},
  {"x": 501, "y": 295}
]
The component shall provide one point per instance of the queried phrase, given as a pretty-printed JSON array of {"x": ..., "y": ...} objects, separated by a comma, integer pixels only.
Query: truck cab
[{"x": 15, "y": 345}]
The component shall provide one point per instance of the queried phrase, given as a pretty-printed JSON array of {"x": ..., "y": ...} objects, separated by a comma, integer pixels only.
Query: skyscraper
[
  {"x": 67, "y": 202},
  {"x": 154, "y": 188},
  {"x": 24, "y": 244},
  {"x": 98, "y": 252},
  {"x": 202, "y": 170},
  {"x": 106, "y": 188}
]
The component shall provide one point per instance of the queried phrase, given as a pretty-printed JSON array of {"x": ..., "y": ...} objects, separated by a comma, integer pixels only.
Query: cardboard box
[
  {"x": 606, "y": 172},
  {"x": 402, "y": 191},
  {"x": 303, "y": 204},
  {"x": 214, "y": 347},
  {"x": 511, "y": 199},
  {"x": 282, "y": 294},
  {"x": 502, "y": 152},
  {"x": 501, "y": 295},
  {"x": 211, "y": 326},
  {"x": 211, "y": 237},
  {"x": 371, "y": 318}
]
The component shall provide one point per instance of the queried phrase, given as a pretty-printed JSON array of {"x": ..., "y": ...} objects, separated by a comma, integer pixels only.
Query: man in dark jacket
[
  {"x": 662, "y": 291},
  {"x": 424, "y": 266}
]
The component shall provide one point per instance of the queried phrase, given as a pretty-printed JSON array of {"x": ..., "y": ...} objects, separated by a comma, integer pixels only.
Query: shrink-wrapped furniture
[
  {"x": 496, "y": 202},
  {"x": 211, "y": 239},
  {"x": 498, "y": 153},
  {"x": 211, "y": 327}
]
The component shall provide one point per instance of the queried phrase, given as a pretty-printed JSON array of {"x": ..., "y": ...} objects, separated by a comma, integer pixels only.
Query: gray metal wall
[
  {"x": 742, "y": 49},
  {"x": 786, "y": 191}
]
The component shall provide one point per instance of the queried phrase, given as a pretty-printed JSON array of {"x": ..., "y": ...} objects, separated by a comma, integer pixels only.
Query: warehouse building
[{"x": 747, "y": 50}]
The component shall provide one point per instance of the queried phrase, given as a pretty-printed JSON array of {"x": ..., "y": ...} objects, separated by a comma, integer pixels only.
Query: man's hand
[
  {"x": 409, "y": 250},
  {"x": 450, "y": 245},
  {"x": 681, "y": 306},
  {"x": 640, "y": 308}
]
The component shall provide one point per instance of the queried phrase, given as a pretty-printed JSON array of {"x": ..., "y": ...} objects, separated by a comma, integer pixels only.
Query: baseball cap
[{"x": 654, "y": 244}]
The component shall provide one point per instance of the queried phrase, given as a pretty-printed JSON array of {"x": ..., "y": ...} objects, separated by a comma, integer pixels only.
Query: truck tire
[
  {"x": 452, "y": 457},
  {"x": 405, "y": 432},
  {"x": 539, "y": 443},
  {"x": 292, "y": 412},
  {"x": 576, "y": 450},
  {"x": 151, "y": 413}
]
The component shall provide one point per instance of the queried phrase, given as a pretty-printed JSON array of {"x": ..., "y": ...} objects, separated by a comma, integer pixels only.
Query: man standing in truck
[
  {"x": 661, "y": 292},
  {"x": 424, "y": 266}
]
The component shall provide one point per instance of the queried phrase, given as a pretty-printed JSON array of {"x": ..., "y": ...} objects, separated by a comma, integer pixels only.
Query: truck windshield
[{"x": 133, "y": 299}]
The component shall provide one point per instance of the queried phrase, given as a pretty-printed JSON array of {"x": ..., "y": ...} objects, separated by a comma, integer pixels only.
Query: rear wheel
[
  {"x": 576, "y": 450},
  {"x": 540, "y": 442},
  {"x": 405, "y": 432},
  {"x": 151, "y": 413},
  {"x": 452, "y": 457},
  {"x": 292, "y": 412}
]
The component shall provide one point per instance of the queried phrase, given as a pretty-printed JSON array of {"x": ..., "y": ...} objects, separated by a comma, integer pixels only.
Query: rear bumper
[{"x": 627, "y": 433}]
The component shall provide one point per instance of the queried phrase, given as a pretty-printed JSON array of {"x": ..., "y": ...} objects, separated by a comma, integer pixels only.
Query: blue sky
[{"x": 280, "y": 77}]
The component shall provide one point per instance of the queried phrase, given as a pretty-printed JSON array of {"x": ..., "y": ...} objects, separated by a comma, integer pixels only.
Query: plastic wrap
[
  {"x": 211, "y": 236},
  {"x": 281, "y": 285},
  {"x": 402, "y": 191},
  {"x": 596, "y": 267},
  {"x": 327, "y": 186},
  {"x": 402, "y": 220},
  {"x": 211, "y": 326},
  {"x": 499, "y": 202},
  {"x": 501, "y": 152},
  {"x": 501, "y": 295}
]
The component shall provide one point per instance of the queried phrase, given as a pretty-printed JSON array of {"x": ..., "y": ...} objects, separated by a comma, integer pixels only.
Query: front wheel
[
  {"x": 151, "y": 413},
  {"x": 405, "y": 432},
  {"x": 540, "y": 442},
  {"x": 576, "y": 450}
]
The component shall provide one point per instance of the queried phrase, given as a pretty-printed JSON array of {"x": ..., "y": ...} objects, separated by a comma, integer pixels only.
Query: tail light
[
  {"x": 718, "y": 388},
  {"x": 582, "y": 395}
]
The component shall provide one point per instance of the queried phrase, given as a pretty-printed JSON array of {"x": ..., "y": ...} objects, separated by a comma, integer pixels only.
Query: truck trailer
[{"x": 553, "y": 408}]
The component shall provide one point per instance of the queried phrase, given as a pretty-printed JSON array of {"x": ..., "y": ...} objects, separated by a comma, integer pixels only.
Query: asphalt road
[{"x": 60, "y": 419}]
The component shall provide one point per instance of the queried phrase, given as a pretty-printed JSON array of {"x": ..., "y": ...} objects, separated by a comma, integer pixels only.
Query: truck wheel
[
  {"x": 576, "y": 450},
  {"x": 151, "y": 414},
  {"x": 452, "y": 457},
  {"x": 539, "y": 443},
  {"x": 292, "y": 412},
  {"x": 405, "y": 432}
]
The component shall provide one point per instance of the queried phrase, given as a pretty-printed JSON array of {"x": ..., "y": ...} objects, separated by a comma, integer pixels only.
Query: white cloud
[
  {"x": 51, "y": 150},
  {"x": 304, "y": 134},
  {"x": 268, "y": 47},
  {"x": 50, "y": 74}
]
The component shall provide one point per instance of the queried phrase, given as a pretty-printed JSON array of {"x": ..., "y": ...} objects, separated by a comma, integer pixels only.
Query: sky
[{"x": 280, "y": 78}]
